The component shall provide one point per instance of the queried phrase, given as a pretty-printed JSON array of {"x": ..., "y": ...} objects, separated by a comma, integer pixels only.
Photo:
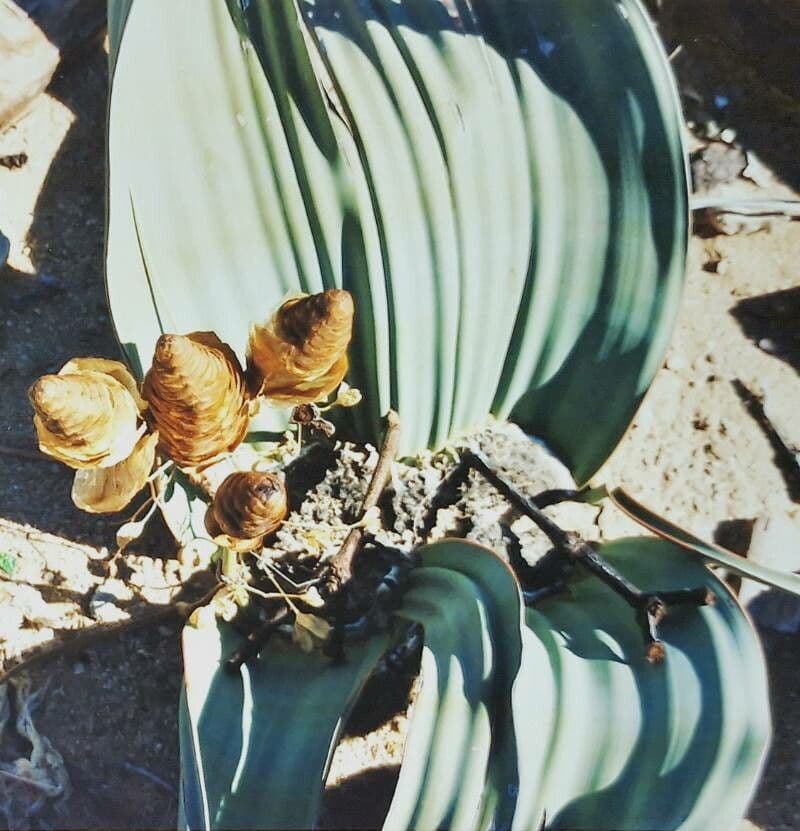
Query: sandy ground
[{"x": 700, "y": 451}]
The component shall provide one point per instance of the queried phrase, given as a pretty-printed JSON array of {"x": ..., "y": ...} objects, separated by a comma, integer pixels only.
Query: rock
[
  {"x": 775, "y": 543},
  {"x": 731, "y": 224},
  {"x": 10, "y": 620},
  {"x": 779, "y": 410},
  {"x": 103, "y": 605},
  {"x": 5, "y": 247},
  {"x": 717, "y": 163},
  {"x": 756, "y": 171},
  {"x": 29, "y": 602},
  {"x": 676, "y": 362},
  {"x": 34, "y": 37},
  {"x": 27, "y": 61}
]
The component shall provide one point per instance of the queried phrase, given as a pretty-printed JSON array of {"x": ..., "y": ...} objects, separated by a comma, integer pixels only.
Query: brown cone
[
  {"x": 197, "y": 397},
  {"x": 300, "y": 355},
  {"x": 249, "y": 505},
  {"x": 85, "y": 419}
]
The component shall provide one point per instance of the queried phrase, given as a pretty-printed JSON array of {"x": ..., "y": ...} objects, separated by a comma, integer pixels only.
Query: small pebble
[
  {"x": 5, "y": 248},
  {"x": 50, "y": 281},
  {"x": 769, "y": 346},
  {"x": 676, "y": 362}
]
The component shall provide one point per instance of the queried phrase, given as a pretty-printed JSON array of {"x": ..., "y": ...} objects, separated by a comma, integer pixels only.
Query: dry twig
[{"x": 341, "y": 563}]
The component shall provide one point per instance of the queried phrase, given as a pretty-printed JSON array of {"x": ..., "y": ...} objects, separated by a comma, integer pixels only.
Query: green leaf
[
  {"x": 460, "y": 765},
  {"x": 255, "y": 747},
  {"x": 636, "y": 746},
  {"x": 8, "y": 563},
  {"x": 709, "y": 552},
  {"x": 556, "y": 712},
  {"x": 511, "y": 247},
  {"x": 117, "y": 17}
]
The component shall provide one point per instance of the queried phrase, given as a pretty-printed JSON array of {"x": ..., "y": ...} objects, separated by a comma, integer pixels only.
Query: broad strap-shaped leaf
[
  {"x": 711, "y": 553},
  {"x": 461, "y": 768},
  {"x": 500, "y": 184},
  {"x": 255, "y": 748},
  {"x": 636, "y": 746},
  {"x": 561, "y": 715}
]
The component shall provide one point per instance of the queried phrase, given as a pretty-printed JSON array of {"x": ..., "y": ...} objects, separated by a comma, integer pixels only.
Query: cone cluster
[
  {"x": 194, "y": 408},
  {"x": 85, "y": 418},
  {"x": 89, "y": 416}
]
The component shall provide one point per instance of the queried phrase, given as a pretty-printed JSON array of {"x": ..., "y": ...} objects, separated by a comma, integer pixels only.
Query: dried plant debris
[
  {"x": 37, "y": 776},
  {"x": 58, "y": 587},
  {"x": 478, "y": 513},
  {"x": 318, "y": 528}
]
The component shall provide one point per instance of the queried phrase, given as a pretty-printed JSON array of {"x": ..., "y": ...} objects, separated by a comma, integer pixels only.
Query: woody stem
[{"x": 341, "y": 564}]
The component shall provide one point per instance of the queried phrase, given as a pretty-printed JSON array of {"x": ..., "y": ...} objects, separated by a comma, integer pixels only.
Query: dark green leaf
[{"x": 709, "y": 552}]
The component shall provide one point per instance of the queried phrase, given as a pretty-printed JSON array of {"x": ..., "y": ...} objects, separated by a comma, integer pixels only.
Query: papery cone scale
[
  {"x": 300, "y": 355},
  {"x": 248, "y": 505},
  {"x": 197, "y": 397},
  {"x": 85, "y": 419},
  {"x": 106, "y": 490}
]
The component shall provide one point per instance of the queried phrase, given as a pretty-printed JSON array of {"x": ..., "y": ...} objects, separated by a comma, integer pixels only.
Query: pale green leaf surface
[
  {"x": 447, "y": 749},
  {"x": 710, "y": 553},
  {"x": 462, "y": 764},
  {"x": 562, "y": 715},
  {"x": 677, "y": 746},
  {"x": 256, "y": 747},
  {"x": 500, "y": 184},
  {"x": 183, "y": 506}
]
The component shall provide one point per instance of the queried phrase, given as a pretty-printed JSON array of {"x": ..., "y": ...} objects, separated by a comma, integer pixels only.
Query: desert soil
[{"x": 701, "y": 450}]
